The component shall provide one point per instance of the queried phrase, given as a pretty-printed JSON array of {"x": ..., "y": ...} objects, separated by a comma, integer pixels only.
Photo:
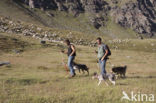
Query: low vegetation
[{"x": 38, "y": 76}]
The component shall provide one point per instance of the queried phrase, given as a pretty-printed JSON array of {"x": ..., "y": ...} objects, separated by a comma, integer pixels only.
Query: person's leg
[
  {"x": 70, "y": 65},
  {"x": 73, "y": 70},
  {"x": 103, "y": 67},
  {"x": 100, "y": 64}
]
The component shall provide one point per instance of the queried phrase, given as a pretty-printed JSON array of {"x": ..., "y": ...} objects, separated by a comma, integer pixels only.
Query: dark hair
[
  {"x": 67, "y": 41},
  {"x": 99, "y": 39}
]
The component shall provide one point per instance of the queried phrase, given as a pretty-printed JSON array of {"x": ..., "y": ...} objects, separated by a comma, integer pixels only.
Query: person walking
[
  {"x": 71, "y": 53},
  {"x": 102, "y": 55}
]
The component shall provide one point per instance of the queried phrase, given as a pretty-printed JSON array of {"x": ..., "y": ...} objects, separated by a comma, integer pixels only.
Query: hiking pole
[{"x": 65, "y": 66}]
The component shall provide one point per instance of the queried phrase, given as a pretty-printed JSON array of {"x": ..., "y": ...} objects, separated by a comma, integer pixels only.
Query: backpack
[{"x": 109, "y": 51}]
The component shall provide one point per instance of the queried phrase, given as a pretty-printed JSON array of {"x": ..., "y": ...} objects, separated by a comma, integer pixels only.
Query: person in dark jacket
[{"x": 71, "y": 56}]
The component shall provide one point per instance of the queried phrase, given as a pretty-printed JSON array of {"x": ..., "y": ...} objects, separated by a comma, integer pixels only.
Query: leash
[{"x": 65, "y": 65}]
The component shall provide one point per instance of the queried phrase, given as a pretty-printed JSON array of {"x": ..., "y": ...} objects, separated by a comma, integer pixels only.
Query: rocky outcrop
[
  {"x": 76, "y": 7},
  {"x": 20, "y": 28},
  {"x": 140, "y": 16}
]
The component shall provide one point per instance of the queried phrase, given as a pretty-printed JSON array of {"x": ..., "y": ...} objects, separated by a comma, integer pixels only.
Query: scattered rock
[
  {"x": 31, "y": 4},
  {"x": 17, "y": 51},
  {"x": 128, "y": 57},
  {"x": 4, "y": 63},
  {"x": 43, "y": 42}
]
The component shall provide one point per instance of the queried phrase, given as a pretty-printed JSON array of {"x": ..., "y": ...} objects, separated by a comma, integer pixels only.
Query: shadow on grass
[
  {"x": 141, "y": 77},
  {"x": 28, "y": 81},
  {"x": 42, "y": 68},
  {"x": 123, "y": 84}
]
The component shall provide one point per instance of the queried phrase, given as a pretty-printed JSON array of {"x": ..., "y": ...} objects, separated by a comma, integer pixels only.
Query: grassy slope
[
  {"x": 10, "y": 9},
  {"x": 37, "y": 76}
]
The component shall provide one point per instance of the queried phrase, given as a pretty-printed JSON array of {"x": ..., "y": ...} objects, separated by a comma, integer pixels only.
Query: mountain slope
[
  {"x": 8, "y": 8},
  {"x": 138, "y": 15},
  {"x": 105, "y": 17}
]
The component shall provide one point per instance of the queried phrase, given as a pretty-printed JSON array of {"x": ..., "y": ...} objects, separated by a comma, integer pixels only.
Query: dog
[
  {"x": 81, "y": 67},
  {"x": 120, "y": 71},
  {"x": 109, "y": 76}
]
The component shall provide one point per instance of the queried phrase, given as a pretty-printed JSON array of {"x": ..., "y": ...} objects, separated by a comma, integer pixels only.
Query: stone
[
  {"x": 4, "y": 63},
  {"x": 43, "y": 42},
  {"x": 31, "y": 4}
]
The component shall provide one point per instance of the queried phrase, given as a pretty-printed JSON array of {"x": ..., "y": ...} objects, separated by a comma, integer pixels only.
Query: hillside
[
  {"x": 112, "y": 19},
  {"x": 11, "y": 10},
  {"x": 8, "y": 26}
]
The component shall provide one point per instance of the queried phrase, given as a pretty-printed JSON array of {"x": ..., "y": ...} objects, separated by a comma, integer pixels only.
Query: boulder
[{"x": 140, "y": 16}]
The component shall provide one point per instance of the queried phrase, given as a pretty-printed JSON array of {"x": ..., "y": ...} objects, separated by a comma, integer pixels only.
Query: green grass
[
  {"x": 123, "y": 2},
  {"x": 146, "y": 45},
  {"x": 115, "y": 31},
  {"x": 37, "y": 75},
  {"x": 10, "y": 9},
  {"x": 8, "y": 43}
]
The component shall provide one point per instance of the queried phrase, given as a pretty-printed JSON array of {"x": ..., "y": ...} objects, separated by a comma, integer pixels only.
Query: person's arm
[
  {"x": 73, "y": 50},
  {"x": 65, "y": 52},
  {"x": 106, "y": 52}
]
